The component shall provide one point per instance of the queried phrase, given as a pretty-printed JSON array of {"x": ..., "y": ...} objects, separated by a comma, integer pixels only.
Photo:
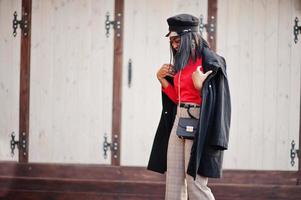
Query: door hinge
[
  {"x": 210, "y": 28},
  {"x": 294, "y": 152},
  {"x": 116, "y": 24},
  {"x": 14, "y": 143},
  {"x": 23, "y": 24},
  {"x": 297, "y": 30},
  {"x": 113, "y": 146}
]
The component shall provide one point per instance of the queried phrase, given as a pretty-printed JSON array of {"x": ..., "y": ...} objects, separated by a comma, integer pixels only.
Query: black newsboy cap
[{"x": 182, "y": 23}]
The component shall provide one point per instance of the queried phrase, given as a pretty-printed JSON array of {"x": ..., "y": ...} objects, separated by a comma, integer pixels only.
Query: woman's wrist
[{"x": 163, "y": 81}]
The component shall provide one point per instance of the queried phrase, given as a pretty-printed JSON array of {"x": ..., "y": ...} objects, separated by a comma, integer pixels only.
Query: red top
[{"x": 188, "y": 93}]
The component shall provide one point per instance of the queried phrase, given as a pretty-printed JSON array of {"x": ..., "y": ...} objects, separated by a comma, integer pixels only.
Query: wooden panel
[
  {"x": 64, "y": 181},
  {"x": 222, "y": 192},
  {"x": 295, "y": 107},
  {"x": 146, "y": 46},
  {"x": 212, "y": 20},
  {"x": 37, "y": 195},
  {"x": 25, "y": 83},
  {"x": 270, "y": 84},
  {"x": 71, "y": 81},
  {"x": 227, "y": 45},
  {"x": 101, "y": 172},
  {"x": 256, "y": 73},
  {"x": 244, "y": 61},
  {"x": 283, "y": 86},
  {"x": 9, "y": 77},
  {"x": 117, "y": 83},
  {"x": 264, "y": 82}
]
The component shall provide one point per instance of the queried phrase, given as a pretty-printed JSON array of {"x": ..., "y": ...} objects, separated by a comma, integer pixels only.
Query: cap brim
[{"x": 171, "y": 34}]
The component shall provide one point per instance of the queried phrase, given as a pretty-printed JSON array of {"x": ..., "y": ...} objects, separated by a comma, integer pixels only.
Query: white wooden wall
[
  {"x": 71, "y": 78},
  {"x": 71, "y": 81},
  {"x": 148, "y": 48},
  {"x": 9, "y": 77},
  {"x": 256, "y": 38}
]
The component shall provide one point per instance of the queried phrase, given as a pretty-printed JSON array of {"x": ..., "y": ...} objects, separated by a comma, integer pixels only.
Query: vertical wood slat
[
  {"x": 257, "y": 81},
  {"x": 270, "y": 83},
  {"x": 117, "y": 82},
  {"x": 25, "y": 85},
  {"x": 296, "y": 61},
  {"x": 283, "y": 94},
  {"x": 212, "y": 19}
]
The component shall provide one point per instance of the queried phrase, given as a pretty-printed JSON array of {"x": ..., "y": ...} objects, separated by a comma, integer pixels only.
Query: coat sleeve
[{"x": 219, "y": 135}]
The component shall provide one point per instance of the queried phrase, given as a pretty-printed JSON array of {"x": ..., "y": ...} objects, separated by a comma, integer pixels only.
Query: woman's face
[{"x": 175, "y": 42}]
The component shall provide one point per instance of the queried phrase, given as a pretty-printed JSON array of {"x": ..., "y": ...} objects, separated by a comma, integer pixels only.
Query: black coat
[{"x": 208, "y": 147}]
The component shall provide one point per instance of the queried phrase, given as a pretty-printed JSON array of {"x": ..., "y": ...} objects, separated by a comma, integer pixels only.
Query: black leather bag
[{"x": 187, "y": 128}]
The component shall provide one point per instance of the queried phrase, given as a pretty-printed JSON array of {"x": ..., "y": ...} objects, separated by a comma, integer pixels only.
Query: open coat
[{"x": 212, "y": 138}]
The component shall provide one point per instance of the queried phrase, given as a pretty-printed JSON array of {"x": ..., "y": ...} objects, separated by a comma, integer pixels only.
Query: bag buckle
[{"x": 189, "y": 128}]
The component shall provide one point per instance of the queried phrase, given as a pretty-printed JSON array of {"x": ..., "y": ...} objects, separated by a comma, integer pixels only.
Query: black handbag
[{"x": 187, "y": 128}]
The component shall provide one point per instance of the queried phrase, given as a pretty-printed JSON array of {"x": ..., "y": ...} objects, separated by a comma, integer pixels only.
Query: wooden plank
[
  {"x": 221, "y": 192},
  {"x": 221, "y": 32},
  {"x": 230, "y": 35},
  {"x": 118, "y": 173},
  {"x": 9, "y": 78},
  {"x": 25, "y": 85},
  {"x": 295, "y": 106},
  {"x": 257, "y": 74},
  {"x": 117, "y": 84},
  {"x": 270, "y": 84},
  {"x": 56, "y": 188},
  {"x": 212, "y": 19},
  {"x": 38, "y": 195},
  {"x": 59, "y": 181},
  {"x": 258, "y": 192},
  {"x": 244, "y": 63},
  {"x": 86, "y": 186},
  {"x": 283, "y": 85}
]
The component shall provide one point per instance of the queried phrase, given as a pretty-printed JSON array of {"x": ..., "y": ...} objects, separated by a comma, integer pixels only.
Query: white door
[
  {"x": 145, "y": 50},
  {"x": 71, "y": 81},
  {"x": 256, "y": 38},
  {"x": 9, "y": 77}
]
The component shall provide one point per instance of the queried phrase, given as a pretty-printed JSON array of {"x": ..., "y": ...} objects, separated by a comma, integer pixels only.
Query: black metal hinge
[
  {"x": 116, "y": 24},
  {"x": 110, "y": 146},
  {"x": 13, "y": 143},
  {"x": 297, "y": 30},
  {"x": 23, "y": 24},
  {"x": 210, "y": 28},
  {"x": 294, "y": 153}
]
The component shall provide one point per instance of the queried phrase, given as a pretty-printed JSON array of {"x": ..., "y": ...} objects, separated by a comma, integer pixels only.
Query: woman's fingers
[
  {"x": 207, "y": 73},
  {"x": 165, "y": 70}
]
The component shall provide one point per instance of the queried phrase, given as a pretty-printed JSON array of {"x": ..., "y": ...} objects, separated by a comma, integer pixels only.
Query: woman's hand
[
  {"x": 165, "y": 70},
  {"x": 198, "y": 77}
]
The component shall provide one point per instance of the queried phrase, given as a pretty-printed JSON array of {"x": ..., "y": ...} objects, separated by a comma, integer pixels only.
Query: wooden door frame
[
  {"x": 117, "y": 82},
  {"x": 25, "y": 84}
]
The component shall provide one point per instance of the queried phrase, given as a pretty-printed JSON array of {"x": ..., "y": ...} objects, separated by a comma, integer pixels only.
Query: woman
[{"x": 189, "y": 161}]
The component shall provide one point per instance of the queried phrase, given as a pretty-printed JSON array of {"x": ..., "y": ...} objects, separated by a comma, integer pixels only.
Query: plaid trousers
[{"x": 179, "y": 185}]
